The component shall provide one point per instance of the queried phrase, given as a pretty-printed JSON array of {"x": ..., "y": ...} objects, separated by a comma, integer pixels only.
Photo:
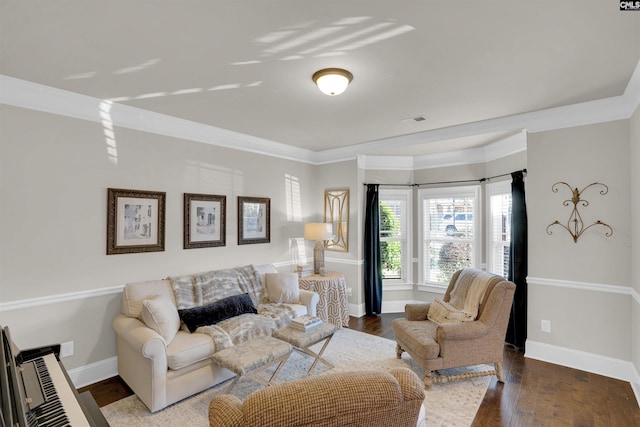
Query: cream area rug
[{"x": 450, "y": 404}]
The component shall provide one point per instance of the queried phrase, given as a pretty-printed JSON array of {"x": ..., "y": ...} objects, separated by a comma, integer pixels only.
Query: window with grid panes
[
  {"x": 395, "y": 213},
  {"x": 499, "y": 227},
  {"x": 450, "y": 235}
]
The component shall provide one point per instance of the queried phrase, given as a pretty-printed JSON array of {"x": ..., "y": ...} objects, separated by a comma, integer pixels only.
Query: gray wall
[
  {"x": 343, "y": 175},
  {"x": 589, "y": 289},
  {"x": 634, "y": 128},
  {"x": 565, "y": 278},
  {"x": 394, "y": 300},
  {"x": 57, "y": 283}
]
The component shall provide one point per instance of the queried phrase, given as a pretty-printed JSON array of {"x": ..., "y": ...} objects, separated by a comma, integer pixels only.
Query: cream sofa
[
  {"x": 367, "y": 398},
  {"x": 163, "y": 361}
]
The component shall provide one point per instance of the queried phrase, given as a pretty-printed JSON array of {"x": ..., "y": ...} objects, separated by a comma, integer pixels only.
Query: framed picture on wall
[
  {"x": 135, "y": 221},
  {"x": 254, "y": 220},
  {"x": 204, "y": 220}
]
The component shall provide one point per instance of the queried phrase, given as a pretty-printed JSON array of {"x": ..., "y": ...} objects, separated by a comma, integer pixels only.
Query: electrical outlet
[
  {"x": 66, "y": 349},
  {"x": 545, "y": 325},
  {"x": 349, "y": 291}
]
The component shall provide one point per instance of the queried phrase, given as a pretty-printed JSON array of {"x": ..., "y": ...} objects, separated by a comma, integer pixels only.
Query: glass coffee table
[{"x": 302, "y": 341}]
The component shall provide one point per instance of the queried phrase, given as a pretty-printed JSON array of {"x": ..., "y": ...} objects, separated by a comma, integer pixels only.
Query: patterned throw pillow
[{"x": 442, "y": 312}]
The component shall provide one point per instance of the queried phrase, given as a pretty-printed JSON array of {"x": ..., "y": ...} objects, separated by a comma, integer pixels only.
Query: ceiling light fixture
[{"x": 332, "y": 81}]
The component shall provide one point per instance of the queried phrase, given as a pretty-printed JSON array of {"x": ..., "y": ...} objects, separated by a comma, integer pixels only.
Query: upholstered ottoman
[{"x": 252, "y": 356}]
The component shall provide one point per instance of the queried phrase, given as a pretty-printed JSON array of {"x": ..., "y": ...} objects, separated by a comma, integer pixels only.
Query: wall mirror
[{"x": 336, "y": 211}]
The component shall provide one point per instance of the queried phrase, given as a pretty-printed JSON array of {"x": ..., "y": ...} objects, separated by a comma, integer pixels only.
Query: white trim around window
[
  {"x": 405, "y": 197},
  {"x": 497, "y": 189},
  {"x": 469, "y": 192}
]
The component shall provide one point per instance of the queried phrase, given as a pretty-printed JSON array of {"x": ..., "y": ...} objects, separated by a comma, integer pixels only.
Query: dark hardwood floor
[{"x": 534, "y": 393}]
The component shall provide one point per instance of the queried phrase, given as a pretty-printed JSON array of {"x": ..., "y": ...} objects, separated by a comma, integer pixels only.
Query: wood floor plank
[{"x": 535, "y": 393}]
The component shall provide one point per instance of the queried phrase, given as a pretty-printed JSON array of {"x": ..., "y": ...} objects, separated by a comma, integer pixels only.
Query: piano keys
[{"x": 37, "y": 391}]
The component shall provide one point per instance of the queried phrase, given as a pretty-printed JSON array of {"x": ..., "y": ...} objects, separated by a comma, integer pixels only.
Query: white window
[
  {"x": 499, "y": 227},
  {"x": 449, "y": 222},
  {"x": 395, "y": 242}
]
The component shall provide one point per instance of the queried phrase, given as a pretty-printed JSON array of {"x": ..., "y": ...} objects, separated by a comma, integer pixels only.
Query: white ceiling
[{"x": 246, "y": 66}]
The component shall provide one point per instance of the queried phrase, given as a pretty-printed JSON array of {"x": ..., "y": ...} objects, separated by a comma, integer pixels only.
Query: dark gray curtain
[
  {"x": 372, "y": 260},
  {"x": 517, "y": 329}
]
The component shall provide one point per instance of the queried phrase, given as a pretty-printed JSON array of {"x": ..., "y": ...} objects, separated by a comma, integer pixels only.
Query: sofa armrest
[
  {"x": 462, "y": 331},
  {"x": 225, "y": 411},
  {"x": 142, "y": 360},
  {"x": 417, "y": 311},
  {"x": 410, "y": 384},
  {"x": 139, "y": 336},
  {"x": 309, "y": 299}
]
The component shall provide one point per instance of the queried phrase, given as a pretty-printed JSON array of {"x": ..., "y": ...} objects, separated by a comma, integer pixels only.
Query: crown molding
[
  {"x": 502, "y": 148},
  {"x": 386, "y": 162},
  {"x": 33, "y": 96},
  {"x": 598, "y": 111}
]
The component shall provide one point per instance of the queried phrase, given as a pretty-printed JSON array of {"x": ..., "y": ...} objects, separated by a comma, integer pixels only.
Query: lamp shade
[
  {"x": 332, "y": 81},
  {"x": 318, "y": 231}
]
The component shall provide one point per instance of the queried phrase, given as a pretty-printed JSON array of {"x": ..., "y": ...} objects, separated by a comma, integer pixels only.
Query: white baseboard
[
  {"x": 395, "y": 306},
  {"x": 94, "y": 372},
  {"x": 636, "y": 390},
  {"x": 588, "y": 362},
  {"x": 356, "y": 310}
]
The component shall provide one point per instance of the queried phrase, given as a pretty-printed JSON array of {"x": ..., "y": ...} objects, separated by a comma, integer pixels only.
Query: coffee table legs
[
  {"x": 251, "y": 375},
  {"x": 317, "y": 356}
]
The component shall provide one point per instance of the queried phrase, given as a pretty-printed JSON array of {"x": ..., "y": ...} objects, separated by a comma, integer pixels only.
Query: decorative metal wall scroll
[{"x": 575, "y": 225}]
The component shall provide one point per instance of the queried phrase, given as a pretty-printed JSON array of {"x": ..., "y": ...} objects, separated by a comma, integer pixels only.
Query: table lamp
[{"x": 318, "y": 231}]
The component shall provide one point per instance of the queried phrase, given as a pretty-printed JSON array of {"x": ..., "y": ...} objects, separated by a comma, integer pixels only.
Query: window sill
[
  {"x": 436, "y": 289},
  {"x": 397, "y": 286}
]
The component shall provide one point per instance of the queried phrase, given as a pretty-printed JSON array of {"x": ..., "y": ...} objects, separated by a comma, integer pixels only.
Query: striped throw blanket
[{"x": 464, "y": 299}]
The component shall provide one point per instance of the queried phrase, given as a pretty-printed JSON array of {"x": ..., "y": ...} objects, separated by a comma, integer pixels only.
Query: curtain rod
[{"x": 451, "y": 182}]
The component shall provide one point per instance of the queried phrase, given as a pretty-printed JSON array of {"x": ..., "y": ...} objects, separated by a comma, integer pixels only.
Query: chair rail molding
[
  {"x": 585, "y": 286},
  {"x": 58, "y": 298}
]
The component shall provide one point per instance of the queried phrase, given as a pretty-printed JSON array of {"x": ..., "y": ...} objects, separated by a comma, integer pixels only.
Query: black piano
[{"x": 36, "y": 391}]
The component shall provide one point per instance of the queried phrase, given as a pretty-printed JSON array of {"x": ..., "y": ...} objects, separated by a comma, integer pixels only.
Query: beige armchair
[
  {"x": 367, "y": 398},
  {"x": 459, "y": 343}
]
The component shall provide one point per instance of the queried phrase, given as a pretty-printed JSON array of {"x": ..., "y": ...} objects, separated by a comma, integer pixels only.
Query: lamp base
[{"x": 318, "y": 257}]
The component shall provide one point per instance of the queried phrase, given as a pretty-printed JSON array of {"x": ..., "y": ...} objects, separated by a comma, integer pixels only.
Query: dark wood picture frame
[
  {"x": 254, "y": 220},
  {"x": 135, "y": 221},
  {"x": 204, "y": 220}
]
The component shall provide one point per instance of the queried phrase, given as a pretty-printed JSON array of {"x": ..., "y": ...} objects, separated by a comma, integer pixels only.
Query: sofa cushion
[
  {"x": 417, "y": 337},
  {"x": 134, "y": 293},
  {"x": 161, "y": 315},
  {"x": 283, "y": 287},
  {"x": 218, "y": 311},
  {"x": 186, "y": 349}
]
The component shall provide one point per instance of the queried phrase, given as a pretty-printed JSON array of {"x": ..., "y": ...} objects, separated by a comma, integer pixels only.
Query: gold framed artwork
[
  {"x": 336, "y": 212},
  {"x": 204, "y": 220},
  {"x": 254, "y": 220},
  {"x": 135, "y": 221}
]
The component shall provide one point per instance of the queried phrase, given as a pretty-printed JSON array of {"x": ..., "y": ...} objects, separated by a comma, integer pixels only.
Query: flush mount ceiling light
[{"x": 332, "y": 81}]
